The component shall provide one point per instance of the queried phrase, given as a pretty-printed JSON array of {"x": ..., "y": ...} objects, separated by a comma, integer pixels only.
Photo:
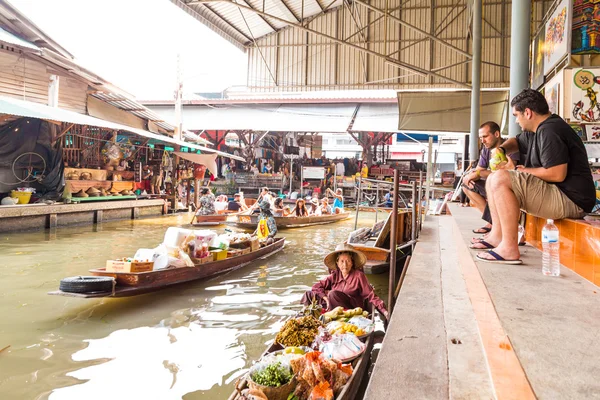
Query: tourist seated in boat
[
  {"x": 267, "y": 227},
  {"x": 279, "y": 210},
  {"x": 346, "y": 285},
  {"x": 300, "y": 209},
  {"x": 265, "y": 195},
  {"x": 325, "y": 207},
  {"x": 207, "y": 202},
  {"x": 237, "y": 205},
  {"x": 338, "y": 200},
  {"x": 314, "y": 209}
]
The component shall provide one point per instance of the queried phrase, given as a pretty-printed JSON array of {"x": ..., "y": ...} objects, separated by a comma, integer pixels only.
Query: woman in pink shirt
[{"x": 346, "y": 285}]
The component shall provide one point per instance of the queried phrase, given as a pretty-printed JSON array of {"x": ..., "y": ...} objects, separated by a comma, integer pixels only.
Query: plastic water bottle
[{"x": 550, "y": 246}]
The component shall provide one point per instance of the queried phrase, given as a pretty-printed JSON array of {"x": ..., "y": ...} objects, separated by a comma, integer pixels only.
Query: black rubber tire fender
[{"x": 86, "y": 284}]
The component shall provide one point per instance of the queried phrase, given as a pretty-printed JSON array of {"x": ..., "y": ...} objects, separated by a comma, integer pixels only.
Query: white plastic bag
[
  {"x": 158, "y": 255},
  {"x": 174, "y": 236}
]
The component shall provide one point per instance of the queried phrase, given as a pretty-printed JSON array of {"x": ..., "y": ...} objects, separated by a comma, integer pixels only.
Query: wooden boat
[
  {"x": 131, "y": 284},
  {"x": 375, "y": 242},
  {"x": 207, "y": 220},
  {"x": 350, "y": 389},
  {"x": 251, "y": 221}
]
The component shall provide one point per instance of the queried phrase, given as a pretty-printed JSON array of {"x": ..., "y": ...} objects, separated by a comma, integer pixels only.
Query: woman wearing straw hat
[{"x": 346, "y": 285}]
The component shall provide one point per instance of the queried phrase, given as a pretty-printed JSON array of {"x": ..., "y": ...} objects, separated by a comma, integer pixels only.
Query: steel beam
[
  {"x": 406, "y": 24},
  {"x": 476, "y": 80},
  {"x": 519, "y": 55},
  {"x": 387, "y": 59}
]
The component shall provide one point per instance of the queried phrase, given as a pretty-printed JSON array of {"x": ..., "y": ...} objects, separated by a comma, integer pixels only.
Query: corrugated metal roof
[
  {"x": 240, "y": 26},
  {"x": 9, "y": 38},
  {"x": 29, "y": 109},
  {"x": 271, "y": 117}
]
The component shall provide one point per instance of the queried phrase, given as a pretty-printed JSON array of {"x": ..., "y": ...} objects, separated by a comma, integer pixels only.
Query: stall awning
[
  {"x": 376, "y": 118},
  {"x": 21, "y": 108},
  {"x": 209, "y": 160},
  {"x": 447, "y": 111},
  {"x": 333, "y": 118}
]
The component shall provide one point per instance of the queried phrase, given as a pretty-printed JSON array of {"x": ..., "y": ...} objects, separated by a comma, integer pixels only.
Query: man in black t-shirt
[
  {"x": 236, "y": 204},
  {"x": 554, "y": 182}
]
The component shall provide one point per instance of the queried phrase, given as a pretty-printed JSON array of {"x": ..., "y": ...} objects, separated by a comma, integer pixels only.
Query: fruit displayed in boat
[
  {"x": 293, "y": 350},
  {"x": 338, "y": 327},
  {"x": 339, "y": 314},
  {"x": 298, "y": 332}
]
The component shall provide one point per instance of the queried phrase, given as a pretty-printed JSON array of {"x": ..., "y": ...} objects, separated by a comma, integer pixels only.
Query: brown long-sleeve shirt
[{"x": 356, "y": 285}]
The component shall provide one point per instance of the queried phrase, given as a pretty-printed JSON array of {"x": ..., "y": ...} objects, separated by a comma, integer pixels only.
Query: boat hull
[
  {"x": 251, "y": 221},
  {"x": 131, "y": 284},
  {"x": 208, "y": 220}
]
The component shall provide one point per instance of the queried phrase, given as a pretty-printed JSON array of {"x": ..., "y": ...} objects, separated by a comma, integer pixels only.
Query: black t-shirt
[
  {"x": 233, "y": 206},
  {"x": 556, "y": 143}
]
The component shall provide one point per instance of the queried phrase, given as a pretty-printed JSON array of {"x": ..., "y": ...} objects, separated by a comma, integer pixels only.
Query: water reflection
[{"x": 191, "y": 341}]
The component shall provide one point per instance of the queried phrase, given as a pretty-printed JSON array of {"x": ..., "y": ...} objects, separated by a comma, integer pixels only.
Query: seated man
[
  {"x": 474, "y": 182},
  {"x": 237, "y": 204},
  {"x": 389, "y": 198},
  {"x": 555, "y": 181}
]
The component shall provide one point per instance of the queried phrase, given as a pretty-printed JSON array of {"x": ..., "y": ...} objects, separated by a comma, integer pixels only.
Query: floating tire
[{"x": 86, "y": 284}]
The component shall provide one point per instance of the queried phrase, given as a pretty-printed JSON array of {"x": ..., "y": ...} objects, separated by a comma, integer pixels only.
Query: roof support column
[
  {"x": 519, "y": 55},
  {"x": 476, "y": 81}
]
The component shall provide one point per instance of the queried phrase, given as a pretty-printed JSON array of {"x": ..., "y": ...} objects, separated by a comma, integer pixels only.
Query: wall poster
[
  {"x": 552, "y": 94},
  {"x": 556, "y": 43},
  {"x": 584, "y": 95},
  {"x": 593, "y": 133},
  {"x": 586, "y": 27},
  {"x": 537, "y": 57}
]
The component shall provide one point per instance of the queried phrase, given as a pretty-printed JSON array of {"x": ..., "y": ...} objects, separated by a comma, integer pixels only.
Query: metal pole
[
  {"x": 519, "y": 55},
  {"x": 413, "y": 234},
  {"x": 358, "y": 201},
  {"x": 420, "y": 199},
  {"x": 376, "y": 202},
  {"x": 393, "y": 244},
  {"x": 476, "y": 76},
  {"x": 291, "y": 176},
  {"x": 428, "y": 183},
  {"x": 301, "y": 182}
]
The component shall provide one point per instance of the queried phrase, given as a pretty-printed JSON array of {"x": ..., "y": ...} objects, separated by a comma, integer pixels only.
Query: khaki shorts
[{"x": 542, "y": 199}]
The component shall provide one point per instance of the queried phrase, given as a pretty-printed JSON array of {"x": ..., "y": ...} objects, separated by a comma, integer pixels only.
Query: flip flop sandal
[
  {"x": 485, "y": 230},
  {"x": 482, "y": 242},
  {"x": 498, "y": 259}
]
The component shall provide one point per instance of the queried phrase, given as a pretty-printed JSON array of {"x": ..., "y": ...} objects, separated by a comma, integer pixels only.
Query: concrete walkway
[{"x": 471, "y": 330}]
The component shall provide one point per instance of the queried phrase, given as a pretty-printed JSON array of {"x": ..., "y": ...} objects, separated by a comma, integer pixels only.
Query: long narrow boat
[
  {"x": 132, "y": 284},
  {"x": 349, "y": 390},
  {"x": 207, "y": 220},
  {"x": 251, "y": 221}
]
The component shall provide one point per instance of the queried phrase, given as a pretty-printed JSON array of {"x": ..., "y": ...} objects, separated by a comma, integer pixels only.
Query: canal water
[{"x": 191, "y": 341}]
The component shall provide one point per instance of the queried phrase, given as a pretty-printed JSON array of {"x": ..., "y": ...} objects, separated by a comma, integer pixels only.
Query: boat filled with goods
[
  {"x": 184, "y": 255},
  {"x": 313, "y": 357}
]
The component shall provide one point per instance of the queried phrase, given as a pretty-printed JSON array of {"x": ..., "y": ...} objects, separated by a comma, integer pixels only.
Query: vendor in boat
[
  {"x": 267, "y": 227},
  {"x": 237, "y": 205},
  {"x": 346, "y": 285},
  {"x": 207, "y": 202},
  {"x": 300, "y": 209},
  {"x": 338, "y": 202}
]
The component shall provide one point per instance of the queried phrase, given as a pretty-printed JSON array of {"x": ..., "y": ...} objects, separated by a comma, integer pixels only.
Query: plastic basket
[{"x": 23, "y": 197}]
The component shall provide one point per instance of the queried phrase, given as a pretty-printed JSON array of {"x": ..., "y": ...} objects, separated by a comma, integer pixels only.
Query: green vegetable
[
  {"x": 273, "y": 375},
  {"x": 292, "y": 396}
]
